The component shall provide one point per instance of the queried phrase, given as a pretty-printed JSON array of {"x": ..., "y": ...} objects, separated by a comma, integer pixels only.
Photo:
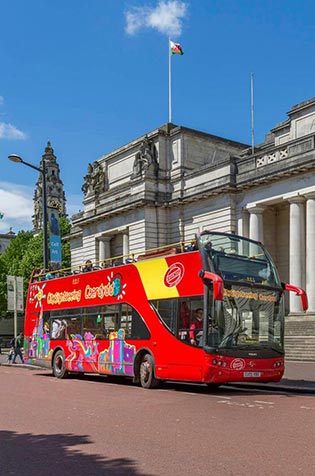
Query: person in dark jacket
[{"x": 18, "y": 346}]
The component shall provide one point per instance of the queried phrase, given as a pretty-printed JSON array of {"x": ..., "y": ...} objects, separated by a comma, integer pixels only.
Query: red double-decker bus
[{"x": 212, "y": 313}]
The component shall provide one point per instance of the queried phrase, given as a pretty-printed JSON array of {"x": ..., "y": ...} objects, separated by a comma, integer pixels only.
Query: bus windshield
[
  {"x": 238, "y": 259},
  {"x": 252, "y": 310},
  {"x": 247, "y": 318}
]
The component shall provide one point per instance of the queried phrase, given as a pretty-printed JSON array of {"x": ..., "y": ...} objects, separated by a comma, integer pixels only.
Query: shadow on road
[{"x": 51, "y": 455}]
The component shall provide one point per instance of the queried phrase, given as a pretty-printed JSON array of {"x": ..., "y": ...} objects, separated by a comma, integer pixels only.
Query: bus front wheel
[
  {"x": 147, "y": 378},
  {"x": 59, "y": 365}
]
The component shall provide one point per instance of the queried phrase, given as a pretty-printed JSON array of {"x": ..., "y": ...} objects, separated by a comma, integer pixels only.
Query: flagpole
[
  {"x": 252, "y": 110},
  {"x": 169, "y": 83}
]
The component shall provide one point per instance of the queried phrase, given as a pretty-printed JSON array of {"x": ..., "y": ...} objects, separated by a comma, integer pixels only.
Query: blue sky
[{"x": 92, "y": 75}]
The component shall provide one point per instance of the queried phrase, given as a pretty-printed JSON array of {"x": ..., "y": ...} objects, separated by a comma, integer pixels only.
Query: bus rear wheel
[
  {"x": 147, "y": 378},
  {"x": 59, "y": 365}
]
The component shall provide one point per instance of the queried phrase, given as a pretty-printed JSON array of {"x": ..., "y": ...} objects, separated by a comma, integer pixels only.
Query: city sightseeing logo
[
  {"x": 114, "y": 287},
  {"x": 174, "y": 275},
  {"x": 37, "y": 294},
  {"x": 237, "y": 364}
]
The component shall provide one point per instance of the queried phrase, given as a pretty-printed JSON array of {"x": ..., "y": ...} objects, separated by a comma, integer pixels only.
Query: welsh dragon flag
[{"x": 176, "y": 48}]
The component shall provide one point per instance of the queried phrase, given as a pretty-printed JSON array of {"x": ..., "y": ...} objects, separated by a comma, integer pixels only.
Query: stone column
[
  {"x": 243, "y": 230},
  {"x": 256, "y": 224},
  {"x": 104, "y": 248},
  {"x": 126, "y": 245},
  {"x": 310, "y": 250},
  {"x": 297, "y": 249},
  {"x": 243, "y": 224}
]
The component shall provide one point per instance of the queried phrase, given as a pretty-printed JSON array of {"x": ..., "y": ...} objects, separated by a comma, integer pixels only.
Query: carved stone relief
[
  {"x": 145, "y": 160},
  {"x": 94, "y": 180}
]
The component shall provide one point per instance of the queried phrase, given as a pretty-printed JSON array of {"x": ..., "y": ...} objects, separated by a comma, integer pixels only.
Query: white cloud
[
  {"x": 8, "y": 131},
  {"x": 16, "y": 202},
  {"x": 167, "y": 18}
]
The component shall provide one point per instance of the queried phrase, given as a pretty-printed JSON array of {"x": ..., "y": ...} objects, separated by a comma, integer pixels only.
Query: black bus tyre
[
  {"x": 147, "y": 378},
  {"x": 59, "y": 365}
]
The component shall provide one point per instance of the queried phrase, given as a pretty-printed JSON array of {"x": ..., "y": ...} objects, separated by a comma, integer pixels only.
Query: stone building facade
[
  {"x": 165, "y": 186},
  {"x": 5, "y": 239},
  {"x": 54, "y": 188}
]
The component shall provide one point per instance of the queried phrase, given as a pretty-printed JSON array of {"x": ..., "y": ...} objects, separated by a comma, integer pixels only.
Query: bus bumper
[{"x": 244, "y": 370}]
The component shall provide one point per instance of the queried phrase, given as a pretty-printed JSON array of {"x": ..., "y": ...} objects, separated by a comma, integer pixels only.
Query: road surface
[{"x": 96, "y": 426}]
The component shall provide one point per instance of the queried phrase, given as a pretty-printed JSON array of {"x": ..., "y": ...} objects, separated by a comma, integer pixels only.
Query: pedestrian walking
[
  {"x": 11, "y": 351},
  {"x": 18, "y": 346},
  {"x": 0, "y": 345}
]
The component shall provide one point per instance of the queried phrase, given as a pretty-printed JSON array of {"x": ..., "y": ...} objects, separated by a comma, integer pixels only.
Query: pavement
[{"x": 299, "y": 376}]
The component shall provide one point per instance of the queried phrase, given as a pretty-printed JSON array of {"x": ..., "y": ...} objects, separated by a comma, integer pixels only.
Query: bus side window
[
  {"x": 187, "y": 315},
  {"x": 126, "y": 319},
  {"x": 132, "y": 323},
  {"x": 73, "y": 326},
  {"x": 93, "y": 322},
  {"x": 58, "y": 329},
  {"x": 167, "y": 310},
  {"x": 111, "y": 316},
  {"x": 138, "y": 329}
]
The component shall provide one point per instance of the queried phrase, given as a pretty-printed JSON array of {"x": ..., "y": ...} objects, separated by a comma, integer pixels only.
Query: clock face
[{"x": 55, "y": 204}]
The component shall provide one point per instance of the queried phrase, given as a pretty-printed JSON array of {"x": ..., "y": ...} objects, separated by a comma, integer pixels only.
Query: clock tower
[{"x": 55, "y": 194}]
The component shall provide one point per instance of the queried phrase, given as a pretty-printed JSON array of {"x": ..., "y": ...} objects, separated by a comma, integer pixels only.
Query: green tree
[
  {"x": 11, "y": 264},
  {"x": 13, "y": 255},
  {"x": 25, "y": 253}
]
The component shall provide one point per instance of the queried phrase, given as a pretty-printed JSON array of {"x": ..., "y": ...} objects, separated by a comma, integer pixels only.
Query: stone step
[
  {"x": 302, "y": 358},
  {"x": 299, "y": 330},
  {"x": 300, "y": 326},
  {"x": 299, "y": 343},
  {"x": 298, "y": 352},
  {"x": 307, "y": 338}
]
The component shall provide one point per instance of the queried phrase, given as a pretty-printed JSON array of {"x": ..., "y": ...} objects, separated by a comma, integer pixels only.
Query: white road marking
[{"x": 262, "y": 401}]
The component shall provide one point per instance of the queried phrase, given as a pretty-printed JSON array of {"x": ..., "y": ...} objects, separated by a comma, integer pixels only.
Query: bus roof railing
[{"x": 138, "y": 255}]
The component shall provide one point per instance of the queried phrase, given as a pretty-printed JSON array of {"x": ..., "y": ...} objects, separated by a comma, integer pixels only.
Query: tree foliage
[{"x": 24, "y": 253}]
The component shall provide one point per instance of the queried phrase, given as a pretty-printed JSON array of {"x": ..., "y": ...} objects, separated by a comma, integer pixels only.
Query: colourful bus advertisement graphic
[{"x": 214, "y": 314}]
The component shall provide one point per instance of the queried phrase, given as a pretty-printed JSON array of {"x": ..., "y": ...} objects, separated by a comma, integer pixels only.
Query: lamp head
[{"x": 15, "y": 158}]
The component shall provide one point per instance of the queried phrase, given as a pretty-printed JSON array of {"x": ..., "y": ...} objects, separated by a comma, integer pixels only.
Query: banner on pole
[
  {"x": 15, "y": 293},
  {"x": 11, "y": 292},
  {"x": 19, "y": 294},
  {"x": 55, "y": 241}
]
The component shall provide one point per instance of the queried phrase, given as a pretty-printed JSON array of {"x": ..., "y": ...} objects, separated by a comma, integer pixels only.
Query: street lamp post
[{"x": 42, "y": 170}]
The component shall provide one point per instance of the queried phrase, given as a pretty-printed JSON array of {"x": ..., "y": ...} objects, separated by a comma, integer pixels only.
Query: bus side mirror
[
  {"x": 299, "y": 292},
  {"x": 216, "y": 281}
]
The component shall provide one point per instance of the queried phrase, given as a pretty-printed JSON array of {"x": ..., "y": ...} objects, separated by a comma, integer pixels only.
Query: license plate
[{"x": 252, "y": 374}]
